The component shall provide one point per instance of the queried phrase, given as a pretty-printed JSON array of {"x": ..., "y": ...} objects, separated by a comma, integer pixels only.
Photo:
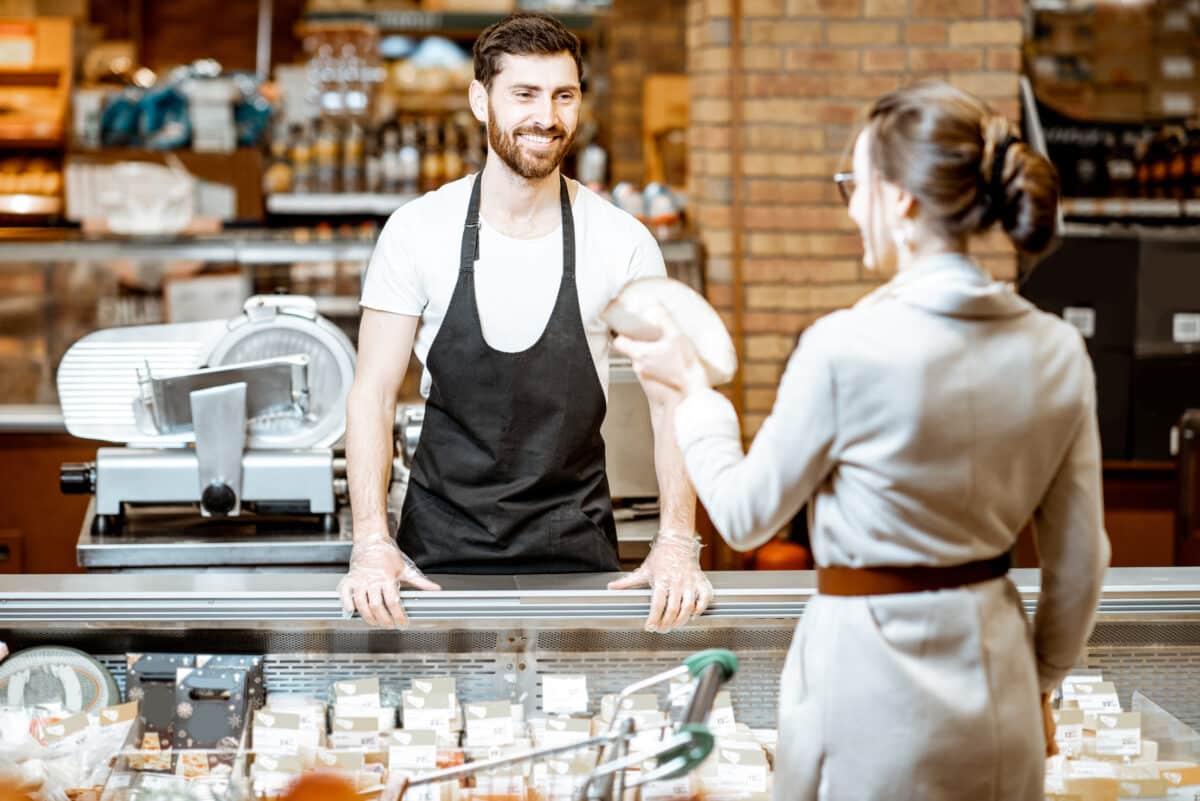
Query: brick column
[{"x": 809, "y": 69}]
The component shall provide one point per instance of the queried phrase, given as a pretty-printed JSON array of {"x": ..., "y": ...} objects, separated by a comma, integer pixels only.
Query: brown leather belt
[{"x": 895, "y": 580}]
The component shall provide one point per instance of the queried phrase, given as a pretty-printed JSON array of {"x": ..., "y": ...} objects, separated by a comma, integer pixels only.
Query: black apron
[{"x": 508, "y": 476}]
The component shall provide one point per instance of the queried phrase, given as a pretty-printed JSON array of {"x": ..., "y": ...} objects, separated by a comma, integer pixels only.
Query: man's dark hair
[{"x": 522, "y": 34}]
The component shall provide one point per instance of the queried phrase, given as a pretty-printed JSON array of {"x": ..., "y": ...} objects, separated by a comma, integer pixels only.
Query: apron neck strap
[{"x": 470, "y": 239}]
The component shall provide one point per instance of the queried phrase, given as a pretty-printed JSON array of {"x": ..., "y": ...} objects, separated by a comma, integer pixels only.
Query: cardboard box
[{"x": 1064, "y": 32}]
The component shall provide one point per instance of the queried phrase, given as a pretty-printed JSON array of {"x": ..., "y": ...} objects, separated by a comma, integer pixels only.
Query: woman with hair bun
[{"x": 927, "y": 424}]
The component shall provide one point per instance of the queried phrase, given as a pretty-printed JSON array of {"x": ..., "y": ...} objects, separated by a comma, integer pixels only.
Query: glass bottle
[
  {"x": 352, "y": 158},
  {"x": 432, "y": 168},
  {"x": 301, "y": 153},
  {"x": 452, "y": 158},
  {"x": 410, "y": 162},
  {"x": 325, "y": 152}
]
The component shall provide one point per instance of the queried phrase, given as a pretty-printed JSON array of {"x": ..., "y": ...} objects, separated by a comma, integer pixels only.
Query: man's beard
[{"x": 530, "y": 166}]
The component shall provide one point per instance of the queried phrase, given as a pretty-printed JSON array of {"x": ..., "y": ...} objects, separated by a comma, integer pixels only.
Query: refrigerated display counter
[{"x": 498, "y": 635}]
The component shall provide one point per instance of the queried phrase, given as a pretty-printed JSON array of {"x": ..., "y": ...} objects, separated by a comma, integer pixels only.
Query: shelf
[
  {"x": 347, "y": 203},
  {"x": 1161, "y": 208},
  {"x": 446, "y": 23}
]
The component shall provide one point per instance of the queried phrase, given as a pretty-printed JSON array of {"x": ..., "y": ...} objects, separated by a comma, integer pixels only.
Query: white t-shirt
[{"x": 415, "y": 267}]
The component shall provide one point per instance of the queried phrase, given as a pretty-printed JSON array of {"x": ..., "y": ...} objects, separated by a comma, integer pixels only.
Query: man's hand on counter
[
  {"x": 377, "y": 569},
  {"x": 681, "y": 591}
]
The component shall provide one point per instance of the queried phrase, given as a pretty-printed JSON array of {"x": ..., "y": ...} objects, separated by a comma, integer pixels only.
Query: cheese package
[
  {"x": 564, "y": 694},
  {"x": 1095, "y": 697},
  {"x": 272, "y": 774},
  {"x": 736, "y": 765},
  {"x": 643, "y": 708},
  {"x": 556, "y": 732},
  {"x": 437, "y": 711},
  {"x": 720, "y": 719},
  {"x": 357, "y": 694},
  {"x": 354, "y": 732},
  {"x": 310, "y": 710},
  {"x": 1183, "y": 784},
  {"x": 489, "y": 723},
  {"x": 1119, "y": 734},
  {"x": 283, "y": 732},
  {"x": 557, "y": 778},
  {"x": 412, "y": 749},
  {"x": 1068, "y": 731}
]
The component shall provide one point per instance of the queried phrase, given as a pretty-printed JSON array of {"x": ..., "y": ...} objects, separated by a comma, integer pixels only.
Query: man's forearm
[
  {"x": 369, "y": 449},
  {"x": 676, "y": 496}
]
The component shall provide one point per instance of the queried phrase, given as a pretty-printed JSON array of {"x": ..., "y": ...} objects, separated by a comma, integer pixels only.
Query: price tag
[
  {"x": 412, "y": 750},
  {"x": 67, "y": 729},
  {"x": 721, "y": 719},
  {"x": 490, "y": 723},
  {"x": 1142, "y": 788},
  {"x": 1068, "y": 731},
  {"x": 1097, "y": 697},
  {"x": 565, "y": 731},
  {"x": 1183, "y": 784},
  {"x": 121, "y": 713},
  {"x": 564, "y": 695},
  {"x": 435, "y": 712},
  {"x": 743, "y": 768},
  {"x": 438, "y": 685},
  {"x": 1119, "y": 735},
  {"x": 360, "y": 694}
]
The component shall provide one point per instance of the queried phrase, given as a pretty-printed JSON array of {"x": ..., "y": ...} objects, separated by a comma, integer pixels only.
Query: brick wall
[
  {"x": 809, "y": 69},
  {"x": 644, "y": 38}
]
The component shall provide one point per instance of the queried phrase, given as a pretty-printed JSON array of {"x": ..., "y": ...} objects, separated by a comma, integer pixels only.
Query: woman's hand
[{"x": 671, "y": 359}]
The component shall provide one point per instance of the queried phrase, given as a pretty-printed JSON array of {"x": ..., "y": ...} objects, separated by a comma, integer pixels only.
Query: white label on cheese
[
  {"x": 564, "y": 695},
  {"x": 732, "y": 771},
  {"x": 1070, "y": 739},
  {"x": 1185, "y": 328},
  {"x": 1096, "y": 697},
  {"x": 1083, "y": 318},
  {"x": 1119, "y": 735},
  {"x": 490, "y": 724},
  {"x": 360, "y": 694},
  {"x": 721, "y": 719}
]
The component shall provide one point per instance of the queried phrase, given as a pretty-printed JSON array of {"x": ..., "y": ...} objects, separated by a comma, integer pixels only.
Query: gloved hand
[
  {"x": 377, "y": 569},
  {"x": 672, "y": 571}
]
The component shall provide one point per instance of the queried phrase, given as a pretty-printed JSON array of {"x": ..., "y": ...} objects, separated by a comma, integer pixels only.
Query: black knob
[
  {"x": 77, "y": 478},
  {"x": 218, "y": 499}
]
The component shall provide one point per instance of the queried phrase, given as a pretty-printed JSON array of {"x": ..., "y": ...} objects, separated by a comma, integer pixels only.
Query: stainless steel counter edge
[{"x": 221, "y": 600}]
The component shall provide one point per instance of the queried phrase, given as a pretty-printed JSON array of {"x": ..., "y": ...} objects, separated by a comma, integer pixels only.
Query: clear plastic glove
[
  {"x": 681, "y": 591},
  {"x": 671, "y": 359},
  {"x": 377, "y": 569}
]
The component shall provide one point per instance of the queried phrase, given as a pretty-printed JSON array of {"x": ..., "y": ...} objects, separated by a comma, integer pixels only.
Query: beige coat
[{"x": 927, "y": 424}]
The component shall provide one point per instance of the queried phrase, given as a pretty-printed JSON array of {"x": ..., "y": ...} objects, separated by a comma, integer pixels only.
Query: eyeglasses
[{"x": 845, "y": 185}]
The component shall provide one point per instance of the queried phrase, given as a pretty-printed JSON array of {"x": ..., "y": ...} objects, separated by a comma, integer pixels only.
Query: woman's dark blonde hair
[{"x": 941, "y": 145}]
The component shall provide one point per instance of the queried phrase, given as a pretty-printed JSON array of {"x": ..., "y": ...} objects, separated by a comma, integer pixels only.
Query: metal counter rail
[
  {"x": 265, "y": 598},
  {"x": 500, "y": 634}
]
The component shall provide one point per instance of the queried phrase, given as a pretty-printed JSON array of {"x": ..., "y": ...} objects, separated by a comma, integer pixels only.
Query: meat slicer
[{"x": 224, "y": 416}]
